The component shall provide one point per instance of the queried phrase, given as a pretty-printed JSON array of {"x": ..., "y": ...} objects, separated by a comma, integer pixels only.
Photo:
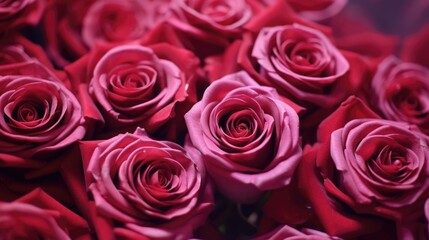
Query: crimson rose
[{"x": 149, "y": 188}]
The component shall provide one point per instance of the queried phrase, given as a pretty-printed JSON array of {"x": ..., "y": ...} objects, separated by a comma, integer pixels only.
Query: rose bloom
[
  {"x": 74, "y": 27},
  {"x": 207, "y": 27},
  {"x": 150, "y": 188},
  {"x": 400, "y": 91},
  {"x": 300, "y": 63},
  {"x": 247, "y": 137},
  {"x": 132, "y": 85},
  {"x": 18, "y": 13},
  {"x": 39, "y": 216},
  {"x": 39, "y": 117},
  {"x": 375, "y": 167}
]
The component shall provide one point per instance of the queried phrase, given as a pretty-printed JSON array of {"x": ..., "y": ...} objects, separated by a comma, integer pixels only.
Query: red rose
[
  {"x": 74, "y": 27},
  {"x": 207, "y": 27},
  {"x": 150, "y": 188},
  {"x": 18, "y": 13},
  {"x": 377, "y": 169},
  {"x": 247, "y": 137},
  {"x": 400, "y": 91},
  {"x": 300, "y": 62},
  {"x": 132, "y": 86},
  {"x": 37, "y": 215},
  {"x": 38, "y": 117}
]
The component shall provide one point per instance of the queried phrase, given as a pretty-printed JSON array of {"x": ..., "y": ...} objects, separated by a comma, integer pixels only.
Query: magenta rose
[
  {"x": 39, "y": 216},
  {"x": 377, "y": 168},
  {"x": 18, "y": 13},
  {"x": 132, "y": 85},
  {"x": 247, "y": 137},
  {"x": 400, "y": 91},
  {"x": 152, "y": 188},
  {"x": 301, "y": 63},
  {"x": 381, "y": 163},
  {"x": 38, "y": 116}
]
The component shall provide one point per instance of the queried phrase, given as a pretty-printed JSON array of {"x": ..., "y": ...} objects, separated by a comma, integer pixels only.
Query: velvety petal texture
[
  {"x": 150, "y": 187},
  {"x": 247, "y": 137},
  {"x": 401, "y": 92},
  {"x": 300, "y": 62},
  {"x": 18, "y": 13},
  {"x": 38, "y": 116},
  {"x": 381, "y": 162},
  {"x": 131, "y": 84}
]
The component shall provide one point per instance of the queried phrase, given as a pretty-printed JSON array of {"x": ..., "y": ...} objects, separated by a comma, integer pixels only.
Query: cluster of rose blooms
[{"x": 210, "y": 119}]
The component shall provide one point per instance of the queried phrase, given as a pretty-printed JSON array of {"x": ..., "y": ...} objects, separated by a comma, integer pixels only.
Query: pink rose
[
  {"x": 375, "y": 167},
  {"x": 301, "y": 63},
  {"x": 381, "y": 163},
  {"x": 39, "y": 117},
  {"x": 247, "y": 136},
  {"x": 133, "y": 85},
  {"x": 18, "y": 13},
  {"x": 37, "y": 215},
  {"x": 151, "y": 188},
  {"x": 400, "y": 91}
]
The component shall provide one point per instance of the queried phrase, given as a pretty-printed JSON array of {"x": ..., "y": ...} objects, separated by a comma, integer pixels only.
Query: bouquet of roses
[{"x": 214, "y": 119}]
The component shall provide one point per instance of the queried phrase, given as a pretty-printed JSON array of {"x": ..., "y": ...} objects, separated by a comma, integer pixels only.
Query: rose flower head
[
  {"x": 401, "y": 92},
  {"x": 247, "y": 137},
  {"x": 150, "y": 188}
]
